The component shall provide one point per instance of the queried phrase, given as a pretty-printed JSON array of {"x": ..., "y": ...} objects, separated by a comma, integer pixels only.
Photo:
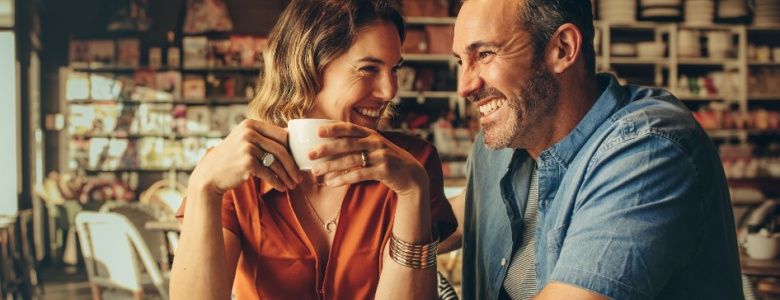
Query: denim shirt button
[{"x": 503, "y": 261}]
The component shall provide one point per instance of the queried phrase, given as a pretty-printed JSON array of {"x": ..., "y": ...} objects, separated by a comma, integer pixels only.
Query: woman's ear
[{"x": 564, "y": 47}]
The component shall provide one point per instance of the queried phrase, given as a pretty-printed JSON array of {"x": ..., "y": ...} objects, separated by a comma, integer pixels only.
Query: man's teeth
[
  {"x": 368, "y": 112},
  {"x": 491, "y": 106}
]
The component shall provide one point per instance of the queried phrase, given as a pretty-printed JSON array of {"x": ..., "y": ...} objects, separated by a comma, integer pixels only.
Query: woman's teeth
[
  {"x": 491, "y": 106},
  {"x": 368, "y": 112}
]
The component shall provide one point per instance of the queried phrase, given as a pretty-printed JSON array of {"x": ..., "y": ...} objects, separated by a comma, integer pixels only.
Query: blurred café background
[{"x": 107, "y": 105}]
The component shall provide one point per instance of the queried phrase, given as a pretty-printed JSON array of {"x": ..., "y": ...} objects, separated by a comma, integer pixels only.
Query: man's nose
[{"x": 469, "y": 82}]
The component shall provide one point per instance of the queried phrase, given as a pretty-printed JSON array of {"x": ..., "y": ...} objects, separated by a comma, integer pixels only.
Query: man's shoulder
[{"x": 657, "y": 112}]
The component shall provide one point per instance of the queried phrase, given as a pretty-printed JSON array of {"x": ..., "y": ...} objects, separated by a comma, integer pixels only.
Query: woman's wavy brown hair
[{"x": 308, "y": 36}]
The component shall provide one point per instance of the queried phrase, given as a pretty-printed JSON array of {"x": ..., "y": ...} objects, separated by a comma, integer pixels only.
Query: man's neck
[{"x": 576, "y": 96}]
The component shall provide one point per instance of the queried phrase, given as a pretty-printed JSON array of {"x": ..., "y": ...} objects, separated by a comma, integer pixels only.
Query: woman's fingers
[
  {"x": 353, "y": 176},
  {"x": 345, "y": 162},
  {"x": 284, "y": 165},
  {"x": 269, "y": 176},
  {"x": 340, "y": 146},
  {"x": 277, "y": 134},
  {"x": 343, "y": 129}
]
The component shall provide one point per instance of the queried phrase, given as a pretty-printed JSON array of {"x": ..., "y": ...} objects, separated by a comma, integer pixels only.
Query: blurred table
[{"x": 166, "y": 226}]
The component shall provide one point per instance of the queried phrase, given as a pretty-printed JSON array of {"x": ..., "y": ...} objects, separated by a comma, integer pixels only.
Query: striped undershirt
[{"x": 520, "y": 281}]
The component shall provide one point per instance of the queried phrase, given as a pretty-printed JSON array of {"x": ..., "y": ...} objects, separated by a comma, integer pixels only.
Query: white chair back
[
  {"x": 116, "y": 256},
  {"x": 139, "y": 214}
]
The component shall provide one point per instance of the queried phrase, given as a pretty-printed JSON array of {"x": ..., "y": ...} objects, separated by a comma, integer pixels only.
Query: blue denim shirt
[{"x": 633, "y": 204}]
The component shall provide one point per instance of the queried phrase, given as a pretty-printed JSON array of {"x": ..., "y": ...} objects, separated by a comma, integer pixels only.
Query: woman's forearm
[
  {"x": 412, "y": 224},
  {"x": 200, "y": 267}
]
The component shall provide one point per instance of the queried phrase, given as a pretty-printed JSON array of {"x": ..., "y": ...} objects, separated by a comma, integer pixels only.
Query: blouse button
[{"x": 503, "y": 261}]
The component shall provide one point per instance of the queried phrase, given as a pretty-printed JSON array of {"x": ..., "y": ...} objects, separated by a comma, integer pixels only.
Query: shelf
[
  {"x": 226, "y": 69},
  {"x": 769, "y": 97},
  {"x": 639, "y": 60},
  {"x": 91, "y": 170},
  {"x": 430, "y": 20},
  {"x": 764, "y": 63},
  {"x": 736, "y": 133},
  {"x": 207, "y": 101},
  {"x": 122, "y": 69},
  {"x": 705, "y": 61},
  {"x": 708, "y": 26},
  {"x": 764, "y": 29},
  {"x": 700, "y": 98},
  {"x": 440, "y": 58},
  {"x": 144, "y": 135},
  {"x": 427, "y": 94},
  {"x": 112, "y": 68},
  {"x": 632, "y": 25}
]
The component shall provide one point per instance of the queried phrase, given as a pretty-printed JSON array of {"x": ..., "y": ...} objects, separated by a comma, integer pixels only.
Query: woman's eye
[{"x": 370, "y": 69}]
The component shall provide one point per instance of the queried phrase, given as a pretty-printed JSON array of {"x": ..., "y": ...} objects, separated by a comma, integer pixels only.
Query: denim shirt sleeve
[{"x": 636, "y": 218}]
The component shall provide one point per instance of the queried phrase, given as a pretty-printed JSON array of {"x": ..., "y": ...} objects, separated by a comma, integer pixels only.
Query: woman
[{"x": 355, "y": 227}]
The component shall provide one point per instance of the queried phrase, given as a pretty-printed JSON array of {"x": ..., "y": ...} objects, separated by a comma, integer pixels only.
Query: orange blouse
[{"x": 279, "y": 262}]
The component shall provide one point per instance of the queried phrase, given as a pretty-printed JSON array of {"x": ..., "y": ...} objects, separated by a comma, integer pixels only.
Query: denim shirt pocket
[{"x": 555, "y": 240}]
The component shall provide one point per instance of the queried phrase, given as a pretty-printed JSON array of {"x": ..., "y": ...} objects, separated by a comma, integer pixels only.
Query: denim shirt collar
[{"x": 566, "y": 149}]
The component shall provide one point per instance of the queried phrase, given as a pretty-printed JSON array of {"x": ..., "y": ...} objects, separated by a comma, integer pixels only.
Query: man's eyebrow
[{"x": 476, "y": 45}]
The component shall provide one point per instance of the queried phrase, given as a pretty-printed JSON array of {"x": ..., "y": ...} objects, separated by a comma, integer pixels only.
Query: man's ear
[{"x": 564, "y": 47}]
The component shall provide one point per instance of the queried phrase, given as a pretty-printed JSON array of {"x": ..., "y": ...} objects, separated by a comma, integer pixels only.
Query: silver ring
[
  {"x": 268, "y": 159},
  {"x": 363, "y": 156}
]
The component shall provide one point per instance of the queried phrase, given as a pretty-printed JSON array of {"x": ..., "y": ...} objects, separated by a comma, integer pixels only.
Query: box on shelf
[
  {"x": 439, "y": 38},
  {"x": 196, "y": 50},
  {"x": 128, "y": 53},
  {"x": 194, "y": 87}
]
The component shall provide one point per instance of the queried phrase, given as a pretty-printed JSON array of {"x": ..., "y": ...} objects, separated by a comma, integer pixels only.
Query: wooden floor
[{"x": 64, "y": 283}]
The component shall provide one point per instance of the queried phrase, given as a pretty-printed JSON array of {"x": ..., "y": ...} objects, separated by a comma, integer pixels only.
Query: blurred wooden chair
[
  {"x": 167, "y": 194},
  {"x": 117, "y": 258},
  {"x": 141, "y": 213}
]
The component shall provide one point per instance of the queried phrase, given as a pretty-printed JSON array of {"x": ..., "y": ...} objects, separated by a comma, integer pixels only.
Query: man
[{"x": 580, "y": 188}]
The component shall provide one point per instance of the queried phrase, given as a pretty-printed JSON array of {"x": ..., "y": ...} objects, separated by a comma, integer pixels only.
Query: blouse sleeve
[{"x": 229, "y": 216}]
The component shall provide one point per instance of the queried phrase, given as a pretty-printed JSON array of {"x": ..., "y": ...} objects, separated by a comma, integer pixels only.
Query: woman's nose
[{"x": 386, "y": 87}]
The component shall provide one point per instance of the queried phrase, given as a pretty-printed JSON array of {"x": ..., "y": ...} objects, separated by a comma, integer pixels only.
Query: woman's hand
[
  {"x": 239, "y": 156},
  {"x": 355, "y": 146}
]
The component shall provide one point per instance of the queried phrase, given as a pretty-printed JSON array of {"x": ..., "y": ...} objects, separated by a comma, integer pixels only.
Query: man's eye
[{"x": 485, "y": 54}]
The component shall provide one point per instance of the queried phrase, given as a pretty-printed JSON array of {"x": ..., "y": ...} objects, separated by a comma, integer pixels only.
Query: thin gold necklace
[
  {"x": 319, "y": 184},
  {"x": 332, "y": 223}
]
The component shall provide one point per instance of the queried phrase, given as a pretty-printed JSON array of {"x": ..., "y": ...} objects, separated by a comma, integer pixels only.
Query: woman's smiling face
[{"x": 358, "y": 85}]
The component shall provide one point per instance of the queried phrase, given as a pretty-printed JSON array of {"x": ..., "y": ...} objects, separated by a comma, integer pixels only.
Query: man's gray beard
[
  {"x": 497, "y": 138},
  {"x": 540, "y": 96}
]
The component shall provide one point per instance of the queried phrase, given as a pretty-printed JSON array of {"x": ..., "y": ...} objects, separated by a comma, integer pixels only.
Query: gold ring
[{"x": 363, "y": 156}]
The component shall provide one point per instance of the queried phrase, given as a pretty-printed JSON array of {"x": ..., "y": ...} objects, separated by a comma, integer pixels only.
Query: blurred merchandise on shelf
[
  {"x": 128, "y": 53},
  {"x": 764, "y": 81},
  {"x": 746, "y": 161},
  {"x": 204, "y": 16},
  {"x": 129, "y": 15},
  {"x": 427, "y": 8},
  {"x": 766, "y": 13},
  {"x": 439, "y": 38},
  {"x": 717, "y": 116},
  {"x": 715, "y": 83},
  {"x": 92, "y": 53},
  {"x": 617, "y": 11}
]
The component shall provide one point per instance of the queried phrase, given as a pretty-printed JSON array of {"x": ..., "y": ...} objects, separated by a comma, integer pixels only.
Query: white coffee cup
[
  {"x": 302, "y": 136},
  {"x": 762, "y": 246}
]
